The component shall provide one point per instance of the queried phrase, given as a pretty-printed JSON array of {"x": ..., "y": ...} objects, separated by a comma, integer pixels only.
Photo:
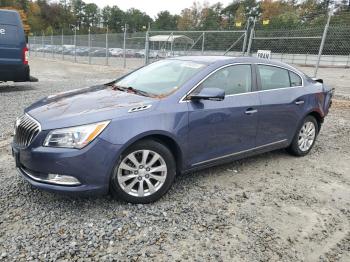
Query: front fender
[{"x": 122, "y": 131}]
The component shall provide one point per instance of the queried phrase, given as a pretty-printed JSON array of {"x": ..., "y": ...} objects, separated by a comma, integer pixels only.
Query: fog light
[{"x": 62, "y": 180}]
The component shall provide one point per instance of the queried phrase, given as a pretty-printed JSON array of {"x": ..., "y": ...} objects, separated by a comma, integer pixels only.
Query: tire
[
  {"x": 133, "y": 180},
  {"x": 297, "y": 147}
]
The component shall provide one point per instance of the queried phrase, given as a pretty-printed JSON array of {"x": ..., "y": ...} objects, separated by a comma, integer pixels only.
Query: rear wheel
[
  {"x": 145, "y": 172},
  {"x": 305, "y": 137}
]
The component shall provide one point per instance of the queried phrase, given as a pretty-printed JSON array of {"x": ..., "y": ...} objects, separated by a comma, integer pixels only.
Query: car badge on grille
[{"x": 18, "y": 121}]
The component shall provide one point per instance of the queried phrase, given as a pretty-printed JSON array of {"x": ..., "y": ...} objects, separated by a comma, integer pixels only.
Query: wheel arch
[
  {"x": 318, "y": 118},
  {"x": 164, "y": 138},
  {"x": 314, "y": 113}
]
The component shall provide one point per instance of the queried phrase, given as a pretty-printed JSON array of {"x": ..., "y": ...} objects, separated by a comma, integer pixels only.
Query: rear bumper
[
  {"x": 16, "y": 73},
  {"x": 329, "y": 93}
]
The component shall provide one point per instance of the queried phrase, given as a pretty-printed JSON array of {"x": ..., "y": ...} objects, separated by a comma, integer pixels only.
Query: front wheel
[
  {"x": 305, "y": 137},
  {"x": 145, "y": 172}
]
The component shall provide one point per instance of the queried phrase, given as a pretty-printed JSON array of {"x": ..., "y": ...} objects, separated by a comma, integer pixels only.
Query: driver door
[{"x": 218, "y": 129}]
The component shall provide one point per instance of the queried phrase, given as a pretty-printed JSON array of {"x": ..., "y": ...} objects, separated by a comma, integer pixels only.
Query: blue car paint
[
  {"x": 94, "y": 159},
  {"x": 12, "y": 45},
  {"x": 217, "y": 120},
  {"x": 202, "y": 131}
]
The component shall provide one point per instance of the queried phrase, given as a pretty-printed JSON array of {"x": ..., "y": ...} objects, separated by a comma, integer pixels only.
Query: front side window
[
  {"x": 235, "y": 79},
  {"x": 162, "y": 77}
]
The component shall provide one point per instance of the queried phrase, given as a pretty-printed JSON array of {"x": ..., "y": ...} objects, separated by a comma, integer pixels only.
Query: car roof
[
  {"x": 202, "y": 59},
  {"x": 9, "y": 17},
  {"x": 222, "y": 60}
]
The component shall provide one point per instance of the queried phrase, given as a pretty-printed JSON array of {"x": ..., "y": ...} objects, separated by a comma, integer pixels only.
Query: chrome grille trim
[{"x": 26, "y": 129}]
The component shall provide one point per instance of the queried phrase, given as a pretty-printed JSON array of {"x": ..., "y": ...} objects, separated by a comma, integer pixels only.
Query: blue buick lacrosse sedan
[{"x": 133, "y": 135}]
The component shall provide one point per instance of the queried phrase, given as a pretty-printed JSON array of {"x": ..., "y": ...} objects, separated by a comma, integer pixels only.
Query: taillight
[{"x": 25, "y": 55}]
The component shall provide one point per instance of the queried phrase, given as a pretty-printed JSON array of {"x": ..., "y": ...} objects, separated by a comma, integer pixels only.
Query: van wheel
[
  {"x": 145, "y": 172},
  {"x": 304, "y": 138}
]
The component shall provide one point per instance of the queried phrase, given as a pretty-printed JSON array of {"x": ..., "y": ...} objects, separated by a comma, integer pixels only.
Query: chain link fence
[
  {"x": 183, "y": 43},
  {"x": 135, "y": 49},
  {"x": 295, "y": 46},
  {"x": 301, "y": 46},
  {"x": 327, "y": 45}
]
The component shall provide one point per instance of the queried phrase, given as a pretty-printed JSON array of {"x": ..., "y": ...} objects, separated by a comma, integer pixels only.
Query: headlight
[{"x": 75, "y": 137}]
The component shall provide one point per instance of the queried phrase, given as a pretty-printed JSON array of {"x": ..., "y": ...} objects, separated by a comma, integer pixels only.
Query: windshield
[{"x": 162, "y": 77}]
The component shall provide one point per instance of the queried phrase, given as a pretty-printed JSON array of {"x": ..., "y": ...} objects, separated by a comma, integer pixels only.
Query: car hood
[{"x": 86, "y": 105}]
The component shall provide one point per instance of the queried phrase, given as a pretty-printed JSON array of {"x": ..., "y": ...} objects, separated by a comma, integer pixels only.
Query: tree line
[{"x": 48, "y": 17}]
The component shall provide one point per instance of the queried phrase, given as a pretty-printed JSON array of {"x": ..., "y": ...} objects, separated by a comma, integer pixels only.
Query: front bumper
[{"x": 92, "y": 166}]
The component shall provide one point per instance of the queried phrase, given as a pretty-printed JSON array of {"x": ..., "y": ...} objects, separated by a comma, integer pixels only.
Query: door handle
[
  {"x": 299, "y": 102},
  {"x": 250, "y": 111}
]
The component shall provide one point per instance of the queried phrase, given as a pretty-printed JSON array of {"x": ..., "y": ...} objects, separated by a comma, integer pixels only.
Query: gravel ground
[{"x": 272, "y": 207}]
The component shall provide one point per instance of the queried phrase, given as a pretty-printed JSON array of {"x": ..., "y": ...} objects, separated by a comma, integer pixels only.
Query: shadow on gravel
[
  {"x": 241, "y": 163},
  {"x": 15, "y": 88},
  {"x": 190, "y": 181},
  {"x": 49, "y": 200}
]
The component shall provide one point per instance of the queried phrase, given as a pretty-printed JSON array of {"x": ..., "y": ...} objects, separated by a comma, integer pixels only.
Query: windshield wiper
[
  {"x": 133, "y": 90},
  {"x": 120, "y": 88}
]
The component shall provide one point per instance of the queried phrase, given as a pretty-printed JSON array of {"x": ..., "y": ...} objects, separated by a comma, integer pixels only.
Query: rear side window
[
  {"x": 235, "y": 79},
  {"x": 295, "y": 80},
  {"x": 274, "y": 77},
  {"x": 9, "y": 35}
]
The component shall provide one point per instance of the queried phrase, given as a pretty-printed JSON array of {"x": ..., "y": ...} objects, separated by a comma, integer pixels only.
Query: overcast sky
[{"x": 152, "y": 7}]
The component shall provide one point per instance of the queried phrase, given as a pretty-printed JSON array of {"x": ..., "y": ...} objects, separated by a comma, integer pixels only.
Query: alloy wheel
[
  {"x": 142, "y": 173},
  {"x": 307, "y": 136}
]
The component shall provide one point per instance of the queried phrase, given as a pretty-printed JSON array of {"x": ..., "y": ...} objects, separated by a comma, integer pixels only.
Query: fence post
[
  {"x": 147, "y": 47},
  {"x": 251, "y": 38},
  {"x": 347, "y": 62},
  {"x": 62, "y": 43},
  {"x": 124, "y": 47},
  {"x": 42, "y": 43},
  {"x": 245, "y": 37},
  {"x": 89, "y": 40},
  {"x": 52, "y": 49},
  {"x": 35, "y": 51},
  {"x": 322, "y": 43},
  {"x": 203, "y": 41},
  {"x": 244, "y": 42},
  {"x": 75, "y": 44},
  {"x": 305, "y": 62},
  {"x": 107, "y": 48},
  {"x": 172, "y": 44}
]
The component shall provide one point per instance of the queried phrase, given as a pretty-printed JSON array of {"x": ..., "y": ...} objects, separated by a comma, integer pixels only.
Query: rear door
[
  {"x": 10, "y": 50},
  {"x": 221, "y": 128},
  {"x": 12, "y": 39},
  {"x": 282, "y": 104}
]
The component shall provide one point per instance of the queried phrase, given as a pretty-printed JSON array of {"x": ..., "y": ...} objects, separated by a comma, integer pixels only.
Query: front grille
[{"x": 26, "y": 130}]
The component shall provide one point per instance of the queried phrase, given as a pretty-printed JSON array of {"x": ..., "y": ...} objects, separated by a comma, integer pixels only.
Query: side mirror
[{"x": 213, "y": 94}]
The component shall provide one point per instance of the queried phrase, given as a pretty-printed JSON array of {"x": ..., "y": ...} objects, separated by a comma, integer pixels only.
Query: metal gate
[{"x": 163, "y": 44}]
